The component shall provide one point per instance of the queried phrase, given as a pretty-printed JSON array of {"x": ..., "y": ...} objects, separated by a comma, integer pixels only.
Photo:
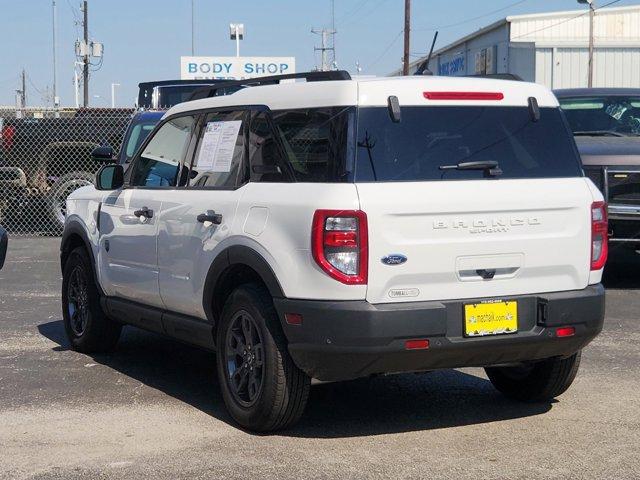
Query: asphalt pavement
[{"x": 153, "y": 409}]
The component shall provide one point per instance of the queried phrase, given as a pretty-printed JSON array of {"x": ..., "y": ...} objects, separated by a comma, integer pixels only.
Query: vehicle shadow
[
  {"x": 623, "y": 268},
  {"x": 372, "y": 406}
]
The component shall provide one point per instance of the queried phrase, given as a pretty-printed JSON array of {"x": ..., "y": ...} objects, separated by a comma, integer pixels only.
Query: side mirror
[
  {"x": 103, "y": 154},
  {"x": 4, "y": 239},
  {"x": 110, "y": 177}
]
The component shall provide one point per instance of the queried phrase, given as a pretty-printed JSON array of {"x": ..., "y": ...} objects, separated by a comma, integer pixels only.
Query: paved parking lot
[{"x": 153, "y": 409}]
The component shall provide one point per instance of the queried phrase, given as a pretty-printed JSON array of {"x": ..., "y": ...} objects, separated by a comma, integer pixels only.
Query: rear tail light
[
  {"x": 599, "y": 235},
  {"x": 339, "y": 244}
]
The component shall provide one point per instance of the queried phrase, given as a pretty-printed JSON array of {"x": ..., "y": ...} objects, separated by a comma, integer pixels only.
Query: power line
[
  {"x": 353, "y": 11},
  {"x": 386, "y": 50},
  {"x": 33, "y": 85},
  {"x": 369, "y": 12},
  {"x": 76, "y": 18},
  {"x": 586, "y": 12},
  {"x": 493, "y": 12}
]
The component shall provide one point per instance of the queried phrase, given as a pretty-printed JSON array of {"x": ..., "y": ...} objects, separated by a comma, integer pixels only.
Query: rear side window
[
  {"x": 218, "y": 161},
  {"x": 264, "y": 153},
  {"x": 315, "y": 142},
  {"x": 428, "y": 137}
]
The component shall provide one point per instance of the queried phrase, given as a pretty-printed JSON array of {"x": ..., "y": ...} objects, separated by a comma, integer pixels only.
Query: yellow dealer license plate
[{"x": 490, "y": 318}]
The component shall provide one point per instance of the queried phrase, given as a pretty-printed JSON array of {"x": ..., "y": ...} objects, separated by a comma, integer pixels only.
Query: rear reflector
[
  {"x": 565, "y": 332},
  {"x": 463, "y": 95},
  {"x": 293, "y": 318},
  {"x": 420, "y": 344}
]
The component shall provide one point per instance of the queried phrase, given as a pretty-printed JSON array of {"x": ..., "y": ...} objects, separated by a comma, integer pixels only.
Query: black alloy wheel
[
  {"x": 78, "y": 303},
  {"x": 244, "y": 359}
]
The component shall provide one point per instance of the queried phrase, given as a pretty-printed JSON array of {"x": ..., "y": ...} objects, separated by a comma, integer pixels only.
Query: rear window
[{"x": 428, "y": 137}]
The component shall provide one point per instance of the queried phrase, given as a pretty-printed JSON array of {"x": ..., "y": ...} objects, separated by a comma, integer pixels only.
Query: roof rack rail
[{"x": 226, "y": 87}]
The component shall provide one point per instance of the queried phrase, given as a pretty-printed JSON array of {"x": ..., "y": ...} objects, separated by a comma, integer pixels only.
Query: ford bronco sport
[{"x": 337, "y": 228}]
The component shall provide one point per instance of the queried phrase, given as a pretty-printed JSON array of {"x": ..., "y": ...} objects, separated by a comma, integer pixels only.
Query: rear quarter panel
[{"x": 275, "y": 219}]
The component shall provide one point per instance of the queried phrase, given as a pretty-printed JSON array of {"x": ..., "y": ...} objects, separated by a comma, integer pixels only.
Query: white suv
[{"x": 339, "y": 228}]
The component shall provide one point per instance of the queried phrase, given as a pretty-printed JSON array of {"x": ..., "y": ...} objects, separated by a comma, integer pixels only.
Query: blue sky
[{"x": 144, "y": 39}]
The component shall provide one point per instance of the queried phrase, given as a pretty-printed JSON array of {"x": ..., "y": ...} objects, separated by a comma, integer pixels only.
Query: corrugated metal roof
[{"x": 568, "y": 13}]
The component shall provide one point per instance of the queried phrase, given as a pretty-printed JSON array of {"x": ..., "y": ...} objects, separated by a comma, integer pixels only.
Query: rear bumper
[{"x": 351, "y": 339}]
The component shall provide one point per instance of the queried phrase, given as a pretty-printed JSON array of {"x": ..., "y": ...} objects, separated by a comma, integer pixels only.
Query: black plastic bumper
[{"x": 350, "y": 339}]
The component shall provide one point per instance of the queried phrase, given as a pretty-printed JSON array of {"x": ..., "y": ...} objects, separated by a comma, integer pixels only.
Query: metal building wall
[
  {"x": 561, "y": 42},
  {"x": 566, "y": 67},
  {"x": 460, "y": 58},
  {"x": 612, "y": 25}
]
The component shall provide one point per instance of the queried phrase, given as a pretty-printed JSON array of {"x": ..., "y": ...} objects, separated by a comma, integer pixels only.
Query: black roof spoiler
[
  {"x": 235, "y": 85},
  {"x": 163, "y": 83},
  {"x": 498, "y": 76}
]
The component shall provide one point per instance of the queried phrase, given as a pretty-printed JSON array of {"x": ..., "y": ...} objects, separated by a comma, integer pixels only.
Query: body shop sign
[{"x": 234, "y": 68}]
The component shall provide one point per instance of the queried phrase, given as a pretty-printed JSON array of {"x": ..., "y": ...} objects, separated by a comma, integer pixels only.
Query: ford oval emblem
[{"x": 394, "y": 259}]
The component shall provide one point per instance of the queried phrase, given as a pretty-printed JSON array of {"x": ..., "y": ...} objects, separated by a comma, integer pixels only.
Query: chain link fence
[{"x": 44, "y": 156}]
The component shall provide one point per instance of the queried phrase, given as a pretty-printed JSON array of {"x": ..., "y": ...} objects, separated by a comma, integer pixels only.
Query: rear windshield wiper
[
  {"x": 491, "y": 168},
  {"x": 598, "y": 133}
]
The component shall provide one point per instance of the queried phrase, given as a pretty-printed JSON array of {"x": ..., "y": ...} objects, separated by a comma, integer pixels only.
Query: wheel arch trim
[
  {"x": 75, "y": 228},
  {"x": 238, "y": 255}
]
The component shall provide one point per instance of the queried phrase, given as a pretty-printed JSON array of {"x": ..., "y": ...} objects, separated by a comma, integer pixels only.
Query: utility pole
[
  {"x": 193, "y": 42},
  {"x": 324, "y": 49},
  {"x": 23, "y": 92},
  {"x": 55, "y": 66},
  {"x": 334, "y": 62},
  {"x": 407, "y": 34},
  {"x": 592, "y": 13},
  {"x": 85, "y": 66}
]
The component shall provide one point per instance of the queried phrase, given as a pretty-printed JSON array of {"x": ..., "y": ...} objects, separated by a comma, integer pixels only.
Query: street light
[
  {"x": 236, "y": 32},
  {"x": 113, "y": 94},
  {"x": 592, "y": 11}
]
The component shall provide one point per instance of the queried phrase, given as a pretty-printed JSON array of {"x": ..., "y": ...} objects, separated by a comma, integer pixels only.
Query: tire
[
  {"x": 86, "y": 325},
  {"x": 64, "y": 187},
  {"x": 261, "y": 386},
  {"x": 537, "y": 382}
]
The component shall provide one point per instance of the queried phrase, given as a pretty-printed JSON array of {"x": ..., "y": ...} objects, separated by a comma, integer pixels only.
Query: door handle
[
  {"x": 144, "y": 212},
  {"x": 213, "y": 217}
]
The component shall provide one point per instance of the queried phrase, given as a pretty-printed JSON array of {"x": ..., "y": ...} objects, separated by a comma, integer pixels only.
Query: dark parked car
[
  {"x": 45, "y": 158},
  {"x": 141, "y": 125},
  {"x": 606, "y": 126},
  {"x": 163, "y": 94}
]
